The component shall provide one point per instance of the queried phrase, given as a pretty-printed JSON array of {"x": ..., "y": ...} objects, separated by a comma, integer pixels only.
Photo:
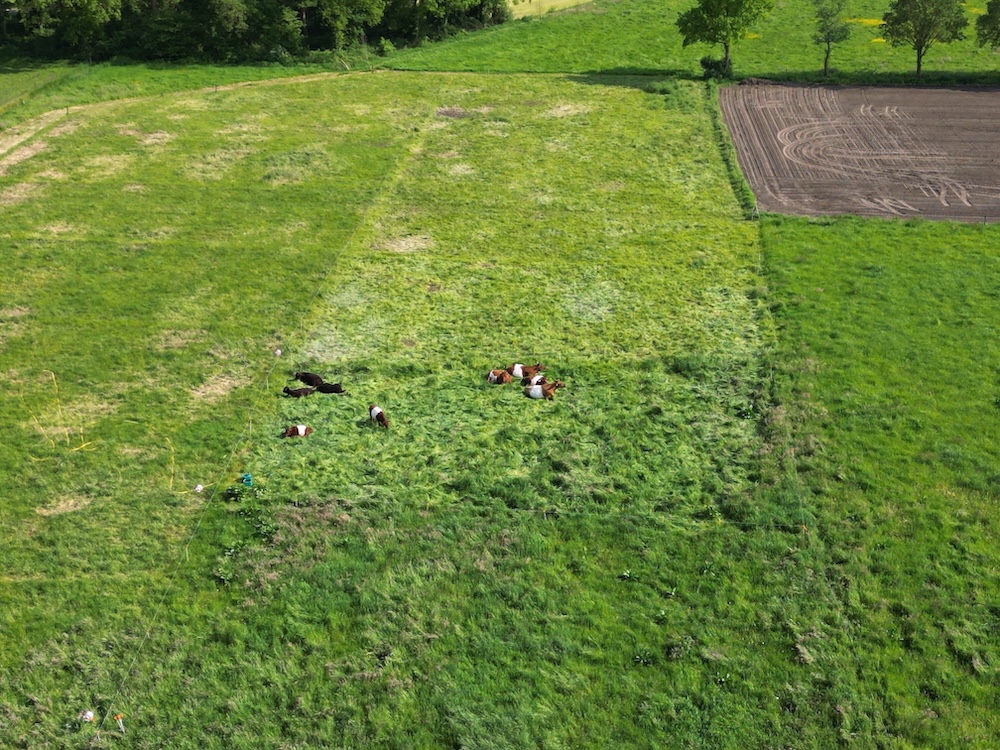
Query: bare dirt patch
[
  {"x": 567, "y": 110},
  {"x": 18, "y": 193},
  {"x": 869, "y": 151},
  {"x": 215, "y": 165},
  {"x": 146, "y": 139},
  {"x": 65, "y": 128},
  {"x": 61, "y": 421},
  {"x": 217, "y": 388},
  {"x": 455, "y": 113},
  {"x": 179, "y": 339},
  {"x": 22, "y": 154},
  {"x": 59, "y": 228},
  {"x": 410, "y": 244},
  {"x": 64, "y": 504},
  {"x": 11, "y": 323},
  {"x": 103, "y": 166},
  {"x": 17, "y": 135},
  {"x": 460, "y": 113}
]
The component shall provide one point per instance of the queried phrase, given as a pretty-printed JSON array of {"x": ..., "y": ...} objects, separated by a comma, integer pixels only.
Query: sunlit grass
[
  {"x": 615, "y": 37},
  {"x": 538, "y": 7}
]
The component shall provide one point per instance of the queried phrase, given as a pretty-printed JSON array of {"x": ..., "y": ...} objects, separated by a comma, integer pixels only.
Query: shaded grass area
[
  {"x": 889, "y": 383},
  {"x": 23, "y": 81}
]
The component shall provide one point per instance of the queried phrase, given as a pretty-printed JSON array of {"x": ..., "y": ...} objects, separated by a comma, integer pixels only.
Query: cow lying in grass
[
  {"x": 498, "y": 376},
  {"x": 309, "y": 378},
  {"x": 518, "y": 370},
  {"x": 330, "y": 388},
  {"x": 377, "y": 416},
  {"x": 548, "y": 390}
]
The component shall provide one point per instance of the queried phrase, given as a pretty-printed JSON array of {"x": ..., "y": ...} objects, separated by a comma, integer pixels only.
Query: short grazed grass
[
  {"x": 30, "y": 89},
  {"x": 888, "y": 373}
]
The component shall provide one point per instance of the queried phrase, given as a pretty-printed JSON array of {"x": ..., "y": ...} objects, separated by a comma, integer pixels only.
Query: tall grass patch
[
  {"x": 570, "y": 236},
  {"x": 403, "y": 242}
]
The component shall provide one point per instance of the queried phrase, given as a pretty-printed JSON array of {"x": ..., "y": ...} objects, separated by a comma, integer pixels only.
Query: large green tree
[
  {"x": 721, "y": 22},
  {"x": 78, "y": 24},
  {"x": 831, "y": 28},
  {"x": 988, "y": 26},
  {"x": 348, "y": 19},
  {"x": 922, "y": 23}
]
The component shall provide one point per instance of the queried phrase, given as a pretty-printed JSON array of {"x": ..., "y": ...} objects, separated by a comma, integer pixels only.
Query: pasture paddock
[{"x": 215, "y": 205}]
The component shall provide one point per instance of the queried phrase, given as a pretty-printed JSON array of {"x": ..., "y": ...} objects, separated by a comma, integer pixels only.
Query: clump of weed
[{"x": 676, "y": 96}]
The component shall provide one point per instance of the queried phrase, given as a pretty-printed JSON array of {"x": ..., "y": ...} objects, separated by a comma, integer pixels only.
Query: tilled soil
[{"x": 869, "y": 151}]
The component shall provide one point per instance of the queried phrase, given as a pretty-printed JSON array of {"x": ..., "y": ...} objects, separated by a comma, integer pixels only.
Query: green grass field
[{"x": 760, "y": 514}]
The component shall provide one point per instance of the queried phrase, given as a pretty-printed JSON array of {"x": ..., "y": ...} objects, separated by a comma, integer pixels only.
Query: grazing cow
[
  {"x": 498, "y": 376},
  {"x": 377, "y": 416},
  {"x": 330, "y": 388},
  {"x": 525, "y": 371},
  {"x": 298, "y": 430},
  {"x": 309, "y": 378},
  {"x": 297, "y": 392},
  {"x": 534, "y": 380},
  {"x": 544, "y": 391}
]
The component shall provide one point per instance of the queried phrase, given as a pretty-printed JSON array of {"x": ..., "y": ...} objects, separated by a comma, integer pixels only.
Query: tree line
[
  {"x": 917, "y": 24},
  {"x": 230, "y": 30}
]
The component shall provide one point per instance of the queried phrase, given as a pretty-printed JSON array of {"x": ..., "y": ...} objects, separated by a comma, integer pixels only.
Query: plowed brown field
[{"x": 893, "y": 152}]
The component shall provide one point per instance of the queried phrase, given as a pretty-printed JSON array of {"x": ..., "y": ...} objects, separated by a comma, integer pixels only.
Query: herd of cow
[{"x": 535, "y": 385}]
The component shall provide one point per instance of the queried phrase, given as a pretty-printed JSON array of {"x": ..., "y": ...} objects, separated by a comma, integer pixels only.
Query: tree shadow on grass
[
  {"x": 635, "y": 78},
  {"x": 641, "y": 78},
  {"x": 928, "y": 79},
  {"x": 23, "y": 64}
]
